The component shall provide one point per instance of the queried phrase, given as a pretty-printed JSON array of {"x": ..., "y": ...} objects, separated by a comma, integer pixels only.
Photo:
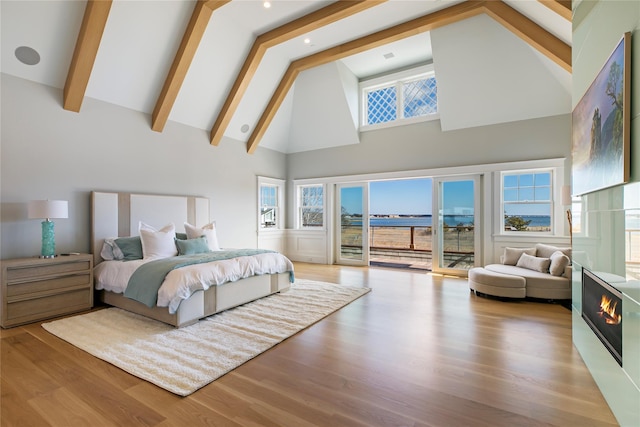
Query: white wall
[
  {"x": 509, "y": 81},
  {"x": 425, "y": 146},
  {"x": 47, "y": 152},
  {"x": 327, "y": 121}
]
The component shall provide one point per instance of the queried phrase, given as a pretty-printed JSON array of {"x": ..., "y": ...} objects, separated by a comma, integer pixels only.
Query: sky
[
  {"x": 406, "y": 197},
  {"x": 414, "y": 197}
]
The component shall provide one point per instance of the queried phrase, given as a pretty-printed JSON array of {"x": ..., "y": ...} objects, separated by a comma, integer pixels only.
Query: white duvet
[{"x": 181, "y": 283}]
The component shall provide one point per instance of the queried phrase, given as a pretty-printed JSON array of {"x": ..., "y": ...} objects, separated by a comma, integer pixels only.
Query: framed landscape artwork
[{"x": 601, "y": 125}]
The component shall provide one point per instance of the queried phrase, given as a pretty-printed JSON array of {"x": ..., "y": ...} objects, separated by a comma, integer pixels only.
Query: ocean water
[{"x": 450, "y": 220}]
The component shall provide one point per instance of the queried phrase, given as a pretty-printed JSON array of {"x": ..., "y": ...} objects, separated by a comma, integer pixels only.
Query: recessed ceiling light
[
  {"x": 388, "y": 55},
  {"x": 244, "y": 128},
  {"x": 267, "y": 4},
  {"x": 27, "y": 55},
  {"x": 307, "y": 40}
]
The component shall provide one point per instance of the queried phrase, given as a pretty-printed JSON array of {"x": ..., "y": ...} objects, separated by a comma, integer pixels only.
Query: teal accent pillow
[
  {"x": 131, "y": 247},
  {"x": 181, "y": 236},
  {"x": 192, "y": 246}
]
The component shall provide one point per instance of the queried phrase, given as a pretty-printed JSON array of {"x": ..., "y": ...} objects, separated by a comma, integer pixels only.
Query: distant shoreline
[{"x": 400, "y": 220}]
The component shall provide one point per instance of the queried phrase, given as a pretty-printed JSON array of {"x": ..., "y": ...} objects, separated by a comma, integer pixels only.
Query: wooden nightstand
[{"x": 35, "y": 289}]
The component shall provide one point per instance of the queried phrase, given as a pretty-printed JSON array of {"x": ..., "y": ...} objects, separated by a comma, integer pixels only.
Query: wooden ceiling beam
[
  {"x": 84, "y": 55},
  {"x": 416, "y": 26},
  {"x": 532, "y": 33},
  {"x": 554, "y": 48},
  {"x": 561, "y": 7},
  {"x": 320, "y": 18},
  {"x": 200, "y": 17}
]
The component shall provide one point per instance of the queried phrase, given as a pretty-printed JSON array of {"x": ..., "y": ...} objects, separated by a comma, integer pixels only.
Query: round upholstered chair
[{"x": 496, "y": 284}]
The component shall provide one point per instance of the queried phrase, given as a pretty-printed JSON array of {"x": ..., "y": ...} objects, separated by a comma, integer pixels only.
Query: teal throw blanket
[{"x": 145, "y": 282}]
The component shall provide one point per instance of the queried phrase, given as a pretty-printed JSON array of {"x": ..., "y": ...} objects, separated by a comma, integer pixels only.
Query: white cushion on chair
[
  {"x": 559, "y": 261},
  {"x": 545, "y": 251},
  {"x": 534, "y": 263},
  {"x": 512, "y": 255}
]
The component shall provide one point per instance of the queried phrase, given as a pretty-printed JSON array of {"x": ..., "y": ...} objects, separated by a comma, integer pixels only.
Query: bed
[{"x": 202, "y": 288}]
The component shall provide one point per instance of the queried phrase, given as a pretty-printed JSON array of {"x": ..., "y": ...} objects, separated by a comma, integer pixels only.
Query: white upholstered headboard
[{"x": 118, "y": 214}]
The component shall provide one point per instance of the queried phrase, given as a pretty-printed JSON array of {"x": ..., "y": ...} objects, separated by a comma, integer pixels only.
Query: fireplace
[{"x": 602, "y": 310}]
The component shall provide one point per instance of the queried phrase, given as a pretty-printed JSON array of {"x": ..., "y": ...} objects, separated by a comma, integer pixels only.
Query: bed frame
[{"x": 118, "y": 215}]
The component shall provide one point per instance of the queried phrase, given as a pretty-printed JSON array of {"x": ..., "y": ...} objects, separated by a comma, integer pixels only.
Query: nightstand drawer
[
  {"x": 28, "y": 310},
  {"x": 40, "y": 288},
  {"x": 31, "y": 272},
  {"x": 48, "y": 285}
]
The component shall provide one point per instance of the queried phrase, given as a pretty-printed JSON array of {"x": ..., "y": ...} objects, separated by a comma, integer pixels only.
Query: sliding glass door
[
  {"x": 352, "y": 217},
  {"x": 456, "y": 201}
]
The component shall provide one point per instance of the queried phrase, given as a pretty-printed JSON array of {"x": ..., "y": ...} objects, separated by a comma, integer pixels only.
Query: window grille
[
  {"x": 420, "y": 97},
  {"x": 311, "y": 206},
  {"x": 400, "y": 96},
  {"x": 382, "y": 105},
  {"x": 527, "y": 201},
  {"x": 270, "y": 203}
]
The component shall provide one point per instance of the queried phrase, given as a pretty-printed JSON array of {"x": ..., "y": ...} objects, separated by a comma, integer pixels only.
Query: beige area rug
[{"x": 186, "y": 359}]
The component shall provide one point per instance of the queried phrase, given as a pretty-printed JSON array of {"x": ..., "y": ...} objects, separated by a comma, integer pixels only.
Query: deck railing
[
  {"x": 416, "y": 238},
  {"x": 395, "y": 242},
  {"x": 413, "y": 242}
]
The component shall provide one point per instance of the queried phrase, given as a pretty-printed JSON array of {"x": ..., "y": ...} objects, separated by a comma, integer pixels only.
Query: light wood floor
[{"x": 419, "y": 350}]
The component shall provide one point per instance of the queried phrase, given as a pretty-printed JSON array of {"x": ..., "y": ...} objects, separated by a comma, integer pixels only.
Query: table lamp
[{"x": 47, "y": 209}]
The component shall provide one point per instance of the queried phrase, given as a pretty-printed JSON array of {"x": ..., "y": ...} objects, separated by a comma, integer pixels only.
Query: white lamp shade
[{"x": 48, "y": 209}]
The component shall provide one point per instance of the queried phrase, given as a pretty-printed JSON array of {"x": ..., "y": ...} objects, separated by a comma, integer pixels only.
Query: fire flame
[{"x": 608, "y": 311}]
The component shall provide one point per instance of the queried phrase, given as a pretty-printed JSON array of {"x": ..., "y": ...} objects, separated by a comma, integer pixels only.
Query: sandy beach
[{"x": 458, "y": 240}]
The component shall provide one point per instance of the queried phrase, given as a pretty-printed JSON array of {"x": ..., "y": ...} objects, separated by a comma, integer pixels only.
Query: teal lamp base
[{"x": 48, "y": 240}]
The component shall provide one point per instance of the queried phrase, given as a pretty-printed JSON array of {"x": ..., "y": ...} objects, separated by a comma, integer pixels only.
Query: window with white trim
[
  {"x": 527, "y": 201},
  {"x": 310, "y": 206},
  {"x": 270, "y": 203},
  {"x": 399, "y": 98}
]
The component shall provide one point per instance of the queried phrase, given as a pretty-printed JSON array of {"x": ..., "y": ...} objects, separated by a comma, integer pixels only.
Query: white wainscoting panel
[
  {"x": 307, "y": 246},
  {"x": 273, "y": 240}
]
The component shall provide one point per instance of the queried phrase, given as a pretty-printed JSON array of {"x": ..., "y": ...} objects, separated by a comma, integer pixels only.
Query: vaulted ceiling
[{"x": 261, "y": 76}]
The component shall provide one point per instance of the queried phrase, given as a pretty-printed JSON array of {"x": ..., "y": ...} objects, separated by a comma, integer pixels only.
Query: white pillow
[
  {"x": 545, "y": 251},
  {"x": 559, "y": 262},
  {"x": 534, "y": 263},
  {"x": 158, "y": 243},
  {"x": 512, "y": 255},
  {"x": 208, "y": 231}
]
